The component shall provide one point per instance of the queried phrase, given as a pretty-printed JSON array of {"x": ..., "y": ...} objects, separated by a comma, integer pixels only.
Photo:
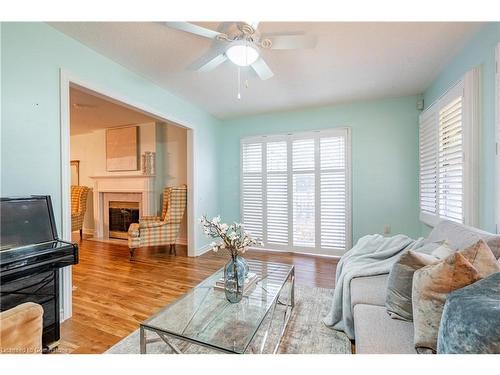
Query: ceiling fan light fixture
[{"x": 242, "y": 54}]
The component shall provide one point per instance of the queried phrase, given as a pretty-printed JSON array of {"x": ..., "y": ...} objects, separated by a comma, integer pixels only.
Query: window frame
[
  {"x": 289, "y": 138},
  {"x": 468, "y": 87}
]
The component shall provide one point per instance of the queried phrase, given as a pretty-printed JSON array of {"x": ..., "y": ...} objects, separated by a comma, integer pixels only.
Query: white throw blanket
[{"x": 372, "y": 255}]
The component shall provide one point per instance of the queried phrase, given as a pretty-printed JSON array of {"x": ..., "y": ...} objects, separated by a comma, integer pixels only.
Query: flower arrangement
[{"x": 235, "y": 239}]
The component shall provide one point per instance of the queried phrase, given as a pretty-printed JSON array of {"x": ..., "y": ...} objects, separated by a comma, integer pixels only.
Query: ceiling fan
[{"x": 243, "y": 48}]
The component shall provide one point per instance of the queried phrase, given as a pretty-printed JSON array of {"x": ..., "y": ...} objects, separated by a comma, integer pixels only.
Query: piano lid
[{"x": 26, "y": 221}]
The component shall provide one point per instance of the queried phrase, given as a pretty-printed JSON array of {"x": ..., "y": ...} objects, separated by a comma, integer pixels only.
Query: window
[
  {"x": 448, "y": 155},
  {"x": 295, "y": 191}
]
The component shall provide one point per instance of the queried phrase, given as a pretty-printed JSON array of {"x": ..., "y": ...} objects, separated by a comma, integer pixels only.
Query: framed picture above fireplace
[{"x": 121, "y": 149}]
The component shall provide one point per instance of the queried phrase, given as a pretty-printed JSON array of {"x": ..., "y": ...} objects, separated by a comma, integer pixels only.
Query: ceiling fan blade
[
  {"x": 193, "y": 29},
  {"x": 262, "y": 69},
  {"x": 212, "y": 63},
  {"x": 291, "y": 41}
]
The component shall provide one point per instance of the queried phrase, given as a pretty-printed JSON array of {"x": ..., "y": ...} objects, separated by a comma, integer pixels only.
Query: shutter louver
[
  {"x": 333, "y": 193},
  {"x": 277, "y": 193},
  {"x": 428, "y": 164},
  {"x": 252, "y": 188},
  {"x": 451, "y": 162}
]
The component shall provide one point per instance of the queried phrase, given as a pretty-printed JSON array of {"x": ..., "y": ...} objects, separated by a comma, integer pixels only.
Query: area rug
[{"x": 305, "y": 334}]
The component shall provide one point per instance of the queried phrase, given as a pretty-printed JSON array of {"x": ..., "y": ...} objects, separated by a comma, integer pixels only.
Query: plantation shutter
[
  {"x": 252, "y": 187},
  {"x": 296, "y": 191},
  {"x": 448, "y": 153},
  {"x": 428, "y": 146},
  {"x": 451, "y": 161},
  {"x": 303, "y": 170},
  {"x": 333, "y": 192},
  {"x": 277, "y": 193}
]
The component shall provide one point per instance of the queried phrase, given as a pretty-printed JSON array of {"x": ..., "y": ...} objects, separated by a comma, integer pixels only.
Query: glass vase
[{"x": 234, "y": 279}]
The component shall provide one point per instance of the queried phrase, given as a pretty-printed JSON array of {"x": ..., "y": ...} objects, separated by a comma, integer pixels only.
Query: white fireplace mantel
[{"x": 138, "y": 187}]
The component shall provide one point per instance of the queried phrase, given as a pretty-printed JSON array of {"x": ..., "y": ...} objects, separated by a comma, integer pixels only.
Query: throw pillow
[
  {"x": 482, "y": 258},
  {"x": 399, "y": 285},
  {"x": 431, "y": 285},
  {"x": 443, "y": 251}
]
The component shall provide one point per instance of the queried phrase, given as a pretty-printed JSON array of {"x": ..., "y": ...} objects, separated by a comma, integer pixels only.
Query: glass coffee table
[{"x": 204, "y": 317}]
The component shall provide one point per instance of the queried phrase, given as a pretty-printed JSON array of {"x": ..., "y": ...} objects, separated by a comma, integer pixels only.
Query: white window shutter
[
  {"x": 303, "y": 160},
  {"x": 428, "y": 149},
  {"x": 451, "y": 161},
  {"x": 333, "y": 192},
  {"x": 295, "y": 191},
  {"x": 277, "y": 193},
  {"x": 252, "y": 187}
]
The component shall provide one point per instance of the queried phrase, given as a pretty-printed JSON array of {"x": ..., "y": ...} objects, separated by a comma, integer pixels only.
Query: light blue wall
[
  {"x": 479, "y": 51},
  {"x": 32, "y": 54},
  {"x": 384, "y": 159}
]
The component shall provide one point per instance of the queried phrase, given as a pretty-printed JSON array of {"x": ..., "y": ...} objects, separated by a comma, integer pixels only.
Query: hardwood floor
[{"x": 112, "y": 295}]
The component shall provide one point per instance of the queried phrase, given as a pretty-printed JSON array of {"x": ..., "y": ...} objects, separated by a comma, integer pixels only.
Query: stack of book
[{"x": 249, "y": 282}]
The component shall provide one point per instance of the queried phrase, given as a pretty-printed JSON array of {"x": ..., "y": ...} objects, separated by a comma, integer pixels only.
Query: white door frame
[
  {"x": 497, "y": 138},
  {"x": 66, "y": 80}
]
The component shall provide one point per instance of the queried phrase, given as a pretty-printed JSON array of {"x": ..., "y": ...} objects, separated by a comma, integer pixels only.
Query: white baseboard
[
  {"x": 182, "y": 241},
  {"x": 202, "y": 250},
  {"x": 335, "y": 256}
]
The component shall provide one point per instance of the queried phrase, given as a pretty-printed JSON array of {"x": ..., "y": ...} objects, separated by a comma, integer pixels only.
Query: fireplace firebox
[{"x": 121, "y": 215}]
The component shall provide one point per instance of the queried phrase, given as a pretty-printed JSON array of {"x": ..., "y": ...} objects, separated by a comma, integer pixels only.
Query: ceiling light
[{"x": 242, "y": 54}]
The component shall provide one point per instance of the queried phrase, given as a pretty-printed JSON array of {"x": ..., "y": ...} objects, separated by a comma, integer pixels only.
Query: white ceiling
[
  {"x": 89, "y": 112},
  {"x": 352, "y": 61}
]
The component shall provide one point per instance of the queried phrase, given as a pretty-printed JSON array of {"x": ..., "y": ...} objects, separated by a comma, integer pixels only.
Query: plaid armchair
[
  {"x": 78, "y": 206},
  {"x": 164, "y": 229}
]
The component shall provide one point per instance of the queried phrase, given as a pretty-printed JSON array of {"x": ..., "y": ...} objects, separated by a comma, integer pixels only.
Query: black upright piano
[{"x": 31, "y": 256}]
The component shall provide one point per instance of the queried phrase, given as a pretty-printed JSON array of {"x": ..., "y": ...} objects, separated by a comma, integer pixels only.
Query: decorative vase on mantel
[{"x": 234, "y": 278}]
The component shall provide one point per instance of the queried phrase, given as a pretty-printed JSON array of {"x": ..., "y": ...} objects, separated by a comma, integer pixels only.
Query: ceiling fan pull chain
[{"x": 239, "y": 82}]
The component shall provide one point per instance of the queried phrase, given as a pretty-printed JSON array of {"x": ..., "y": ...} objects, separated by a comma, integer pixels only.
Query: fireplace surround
[{"x": 136, "y": 190}]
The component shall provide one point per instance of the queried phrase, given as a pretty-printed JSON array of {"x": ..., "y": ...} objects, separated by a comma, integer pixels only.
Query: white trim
[
  {"x": 204, "y": 249},
  {"x": 497, "y": 138},
  {"x": 66, "y": 79},
  {"x": 263, "y": 249},
  {"x": 472, "y": 129}
]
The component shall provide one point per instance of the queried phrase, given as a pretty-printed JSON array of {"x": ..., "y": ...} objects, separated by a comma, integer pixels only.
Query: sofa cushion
[
  {"x": 431, "y": 285},
  {"x": 459, "y": 236},
  {"x": 370, "y": 290},
  {"x": 377, "y": 333}
]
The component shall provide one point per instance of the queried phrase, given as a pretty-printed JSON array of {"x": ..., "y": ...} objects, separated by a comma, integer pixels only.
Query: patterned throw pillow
[{"x": 431, "y": 285}]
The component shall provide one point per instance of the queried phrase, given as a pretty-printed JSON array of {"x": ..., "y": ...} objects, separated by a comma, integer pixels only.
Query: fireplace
[{"x": 121, "y": 215}]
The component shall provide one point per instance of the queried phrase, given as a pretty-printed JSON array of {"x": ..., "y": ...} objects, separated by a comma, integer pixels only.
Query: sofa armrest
[{"x": 369, "y": 290}]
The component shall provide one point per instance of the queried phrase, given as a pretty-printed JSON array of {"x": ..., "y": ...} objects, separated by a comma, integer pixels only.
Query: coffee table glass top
[{"x": 204, "y": 315}]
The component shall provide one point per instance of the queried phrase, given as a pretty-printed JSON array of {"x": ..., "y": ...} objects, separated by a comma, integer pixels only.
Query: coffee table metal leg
[{"x": 142, "y": 340}]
